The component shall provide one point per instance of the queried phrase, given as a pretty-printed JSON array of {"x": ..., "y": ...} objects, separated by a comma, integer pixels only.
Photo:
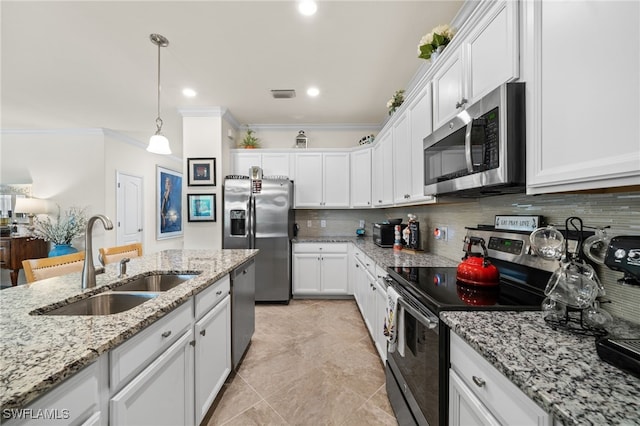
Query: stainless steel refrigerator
[{"x": 258, "y": 213}]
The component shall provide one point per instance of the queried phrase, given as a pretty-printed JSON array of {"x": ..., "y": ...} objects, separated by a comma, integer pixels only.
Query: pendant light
[{"x": 158, "y": 143}]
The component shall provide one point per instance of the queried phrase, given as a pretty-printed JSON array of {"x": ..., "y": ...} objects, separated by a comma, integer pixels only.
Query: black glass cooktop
[{"x": 438, "y": 289}]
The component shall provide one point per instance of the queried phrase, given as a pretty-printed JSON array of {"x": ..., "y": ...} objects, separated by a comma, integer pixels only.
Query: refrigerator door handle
[{"x": 252, "y": 222}]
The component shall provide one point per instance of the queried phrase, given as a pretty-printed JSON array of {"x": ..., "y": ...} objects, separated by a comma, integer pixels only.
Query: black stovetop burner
[{"x": 438, "y": 289}]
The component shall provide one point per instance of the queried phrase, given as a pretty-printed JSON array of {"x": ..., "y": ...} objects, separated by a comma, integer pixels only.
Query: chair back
[
  {"x": 39, "y": 269},
  {"x": 117, "y": 253}
]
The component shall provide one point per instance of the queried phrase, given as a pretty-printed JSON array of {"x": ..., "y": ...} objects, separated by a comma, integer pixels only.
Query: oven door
[{"x": 413, "y": 370}]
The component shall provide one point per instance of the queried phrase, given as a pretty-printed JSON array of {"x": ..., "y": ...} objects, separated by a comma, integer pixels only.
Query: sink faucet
[{"x": 89, "y": 270}]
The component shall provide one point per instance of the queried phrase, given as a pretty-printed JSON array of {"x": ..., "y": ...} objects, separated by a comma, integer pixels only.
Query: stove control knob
[{"x": 620, "y": 253}]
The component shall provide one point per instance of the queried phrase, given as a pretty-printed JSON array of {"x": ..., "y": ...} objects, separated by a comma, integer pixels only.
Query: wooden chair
[
  {"x": 115, "y": 254},
  {"x": 39, "y": 269}
]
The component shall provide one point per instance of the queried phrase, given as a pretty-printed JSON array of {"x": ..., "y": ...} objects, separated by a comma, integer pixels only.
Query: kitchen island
[
  {"x": 41, "y": 351},
  {"x": 559, "y": 370}
]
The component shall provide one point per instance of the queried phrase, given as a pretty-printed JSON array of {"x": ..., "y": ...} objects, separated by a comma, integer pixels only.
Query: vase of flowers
[
  {"x": 61, "y": 232},
  {"x": 394, "y": 103},
  {"x": 432, "y": 44}
]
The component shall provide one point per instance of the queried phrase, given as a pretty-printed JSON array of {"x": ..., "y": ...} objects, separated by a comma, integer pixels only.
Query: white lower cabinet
[
  {"x": 212, "y": 355},
  {"x": 480, "y": 395},
  {"x": 320, "y": 269},
  {"x": 163, "y": 393}
]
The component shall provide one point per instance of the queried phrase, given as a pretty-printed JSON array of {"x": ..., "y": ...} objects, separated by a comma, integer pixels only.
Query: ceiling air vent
[{"x": 283, "y": 93}]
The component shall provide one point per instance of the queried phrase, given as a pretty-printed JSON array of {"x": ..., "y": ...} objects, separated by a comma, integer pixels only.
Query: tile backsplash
[{"x": 620, "y": 211}]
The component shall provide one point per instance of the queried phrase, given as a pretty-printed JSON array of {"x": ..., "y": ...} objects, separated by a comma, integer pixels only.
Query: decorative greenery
[
  {"x": 396, "y": 101},
  {"x": 250, "y": 140},
  {"x": 64, "y": 229},
  {"x": 439, "y": 36}
]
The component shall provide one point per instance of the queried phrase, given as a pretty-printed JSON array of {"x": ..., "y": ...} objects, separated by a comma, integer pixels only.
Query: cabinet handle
[
  {"x": 203, "y": 332},
  {"x": 461, "y": 103},
  {"x": 478, "y": 381},
  {"x": 357, "y": 266},
  {"x": 139, "y": 229},
  {"x": 379, "y": 201},
  {"x": 193, "y": 343},
  {"x": 166, "y": 333},
  {"x": 218, "y": 293}
]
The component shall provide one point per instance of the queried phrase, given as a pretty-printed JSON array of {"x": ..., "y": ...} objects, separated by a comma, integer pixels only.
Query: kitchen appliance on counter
[
  {"x": 258, "y": 213},
  {"x": 417, "y": 377},
  {"x": 384, "y": 233},
  {"x": 481, "y": 151}
]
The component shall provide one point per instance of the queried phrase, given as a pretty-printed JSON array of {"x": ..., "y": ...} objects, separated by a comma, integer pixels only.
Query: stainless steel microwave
[{"x": 481, "y": 151}]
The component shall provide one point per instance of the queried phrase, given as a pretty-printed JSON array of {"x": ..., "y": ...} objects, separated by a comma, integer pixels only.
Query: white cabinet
[
  {"x": 409, "y": 131},
  {"x": 361, "y": 178},
  {"x": 487, "y": 57},
  {"x": 382, "y": 180},
  {"x": 582, "y": 101},
  {"x": 212, "y": 355},
  {"x": 272, "y": 163},
  {"x": 162, "y": 394},
  {"x": 480, "y": 394},
  {"x": 322, "y": 179},
  {"x": 320, "y": 269}
]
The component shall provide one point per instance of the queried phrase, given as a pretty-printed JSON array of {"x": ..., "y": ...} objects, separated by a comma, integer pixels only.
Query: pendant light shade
[{"x": 158, "y": 143}]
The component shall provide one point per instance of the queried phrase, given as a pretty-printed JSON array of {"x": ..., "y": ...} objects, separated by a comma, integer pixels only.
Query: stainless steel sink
[
  {"x": 155, "y": 283},
  {"x": 103, "y": 304}
]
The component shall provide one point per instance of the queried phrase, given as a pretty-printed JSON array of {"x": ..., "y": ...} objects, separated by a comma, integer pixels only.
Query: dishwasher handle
[{"x": 241, "y": 269}]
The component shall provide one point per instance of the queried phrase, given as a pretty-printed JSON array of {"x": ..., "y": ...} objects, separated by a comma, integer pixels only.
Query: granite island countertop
[
  {"x": 40, "y": 351},
  {"x": 557, "y": 369},
  {"x": 385, "y": 256}
]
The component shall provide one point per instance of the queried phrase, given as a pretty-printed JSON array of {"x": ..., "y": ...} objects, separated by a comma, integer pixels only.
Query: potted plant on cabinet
[{"x": 250, "y": 141}]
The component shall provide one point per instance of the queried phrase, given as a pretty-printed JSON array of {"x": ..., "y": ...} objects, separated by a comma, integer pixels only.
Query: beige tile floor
[{"x": 309, "y": 363}]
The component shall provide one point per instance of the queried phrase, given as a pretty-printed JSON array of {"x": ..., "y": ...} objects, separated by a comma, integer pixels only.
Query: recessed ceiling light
[
  {"x": 313, "y": 91},
  {"x": 189, "y": 93},
  {"x": 307, "y": 7}
]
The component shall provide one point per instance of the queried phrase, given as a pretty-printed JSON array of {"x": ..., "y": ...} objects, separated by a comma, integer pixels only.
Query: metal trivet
[{"x": 575, "y": 325}]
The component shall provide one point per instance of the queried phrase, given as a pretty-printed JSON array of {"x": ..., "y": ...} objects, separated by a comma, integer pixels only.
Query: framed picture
[
  {"x": 169, "y": 206},
  {"x": 202, "y": 171},
  {"x": 202, "y": 207}
]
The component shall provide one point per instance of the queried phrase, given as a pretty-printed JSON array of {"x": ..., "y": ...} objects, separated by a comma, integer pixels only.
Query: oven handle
[
  {"x": 424, "y": 320},
  {"x": 467, "y": 146}
]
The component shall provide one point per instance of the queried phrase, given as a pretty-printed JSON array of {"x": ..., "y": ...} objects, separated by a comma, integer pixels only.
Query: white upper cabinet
[
  {"x": 487, "y": 57},
  {"x": 361, "y": 178},
  {"x": 322, "y": 179},
  {"x": 243, "y": 161},
  {"x": 382, "y": 173},
  {"x": 583, "y": 111},
  {"x": 272, "y": 163},
  {"x": 401, "y": 158}
]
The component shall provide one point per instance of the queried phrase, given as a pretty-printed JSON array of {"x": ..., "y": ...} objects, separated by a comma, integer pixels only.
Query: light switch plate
[
  {"x": 361, "y": 223},
  {"x": 323, "y": 224},
  {"x": 308, "y": 224}
]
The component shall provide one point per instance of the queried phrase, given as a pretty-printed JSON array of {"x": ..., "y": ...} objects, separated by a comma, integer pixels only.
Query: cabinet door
[
  {"x": 465, "y": 409},
  {"x": 212, "y": 355},
  {"x": 401, "y": 158},
  {"x": 361, "y": 178},
  {"x": 376, "y": 172},
  {"x": 493, "y": 50},
  {"x": 582, "y": 114},
  {"x": 306, "y": 273},
  {"x": 308, "y": 186},
  {"x": 336, "y": 179},
  {"x": 243, "y": 161},
  {"x": 420, "y": 127},
  {"x": 276, "y": 164},
  {"x": 162, "y": 394},
  {"x": 448, "y": 89},
  {"x": 387, "y": 170},
  {"x": 334, "y": 273}
]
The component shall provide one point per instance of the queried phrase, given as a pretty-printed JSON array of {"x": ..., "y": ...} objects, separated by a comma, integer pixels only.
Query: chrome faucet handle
[{"x": 123, "y": 267}]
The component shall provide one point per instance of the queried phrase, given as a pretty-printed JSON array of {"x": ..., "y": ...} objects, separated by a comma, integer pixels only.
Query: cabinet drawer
[
  {"x": 131, "y": 357},
  {"x": 320, "y": 248},
  {"x": 504, "y": 399},
  {"x": 5, "y": 252},
  {"x": 209, "y": 297}
]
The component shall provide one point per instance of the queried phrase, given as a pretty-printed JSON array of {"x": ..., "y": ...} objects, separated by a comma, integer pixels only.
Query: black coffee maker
[{"x": 623, "y": 255}]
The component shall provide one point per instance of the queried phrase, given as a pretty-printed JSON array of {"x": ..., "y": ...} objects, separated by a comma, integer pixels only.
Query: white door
[{"x": 129, "y": 202}]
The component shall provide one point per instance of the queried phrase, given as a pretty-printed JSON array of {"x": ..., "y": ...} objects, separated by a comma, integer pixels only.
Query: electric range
[{"x": 417, "y": 377}]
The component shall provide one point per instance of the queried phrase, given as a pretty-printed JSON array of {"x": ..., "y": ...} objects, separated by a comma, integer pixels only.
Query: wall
[
  {"x": 621, "y": 211},
  {"x": 319, "y": 136}
]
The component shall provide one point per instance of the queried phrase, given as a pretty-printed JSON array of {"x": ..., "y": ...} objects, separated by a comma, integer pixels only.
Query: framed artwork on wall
[
  {"x": 169, "y": 203},
  {"x": 201, "y": 207},
  {"x": 202, "y": 171}
]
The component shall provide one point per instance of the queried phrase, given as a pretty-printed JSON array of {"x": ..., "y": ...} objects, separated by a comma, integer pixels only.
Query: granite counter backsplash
[
  {"x": 385, "y": 256},
  {"x": 559, "y": 370},
  {"x": 40, "y": 351}
]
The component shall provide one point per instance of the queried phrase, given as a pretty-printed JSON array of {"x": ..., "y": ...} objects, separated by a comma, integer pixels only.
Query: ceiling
[{"x": 84, "y": 64}]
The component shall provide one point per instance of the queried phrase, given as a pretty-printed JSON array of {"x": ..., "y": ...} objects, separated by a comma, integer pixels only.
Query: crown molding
[
  {"x": 78, "y": 131},
  {"x": 309, "y": 126}
]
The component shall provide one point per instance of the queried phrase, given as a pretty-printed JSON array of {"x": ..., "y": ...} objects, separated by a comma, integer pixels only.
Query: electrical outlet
[
  {"x": 440, "y": 233},
  {"x": 323, "y": 223},
  {"x": 308, "y": 224},
  {"x": 361, "y": 223}
]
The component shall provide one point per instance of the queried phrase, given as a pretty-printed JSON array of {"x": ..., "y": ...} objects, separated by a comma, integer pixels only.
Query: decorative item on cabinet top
[
  {"x": 432, "y": 43},
  {"x": 394, "y": 103},
  {"x": 250, "y": 141},
  {"x": 366, "y": 140},
  {"x": 301, "y": 140}
]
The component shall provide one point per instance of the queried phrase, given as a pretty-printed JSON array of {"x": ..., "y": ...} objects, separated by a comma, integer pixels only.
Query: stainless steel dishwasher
[{"x": 243, "y": 309}]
